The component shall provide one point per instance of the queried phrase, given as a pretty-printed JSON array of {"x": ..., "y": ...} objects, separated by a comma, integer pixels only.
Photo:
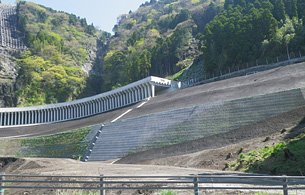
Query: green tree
[
  {"x": 145, "y": 63},
  {"x": 114, "y": 69},
  {"x": 279, "y": 10}
]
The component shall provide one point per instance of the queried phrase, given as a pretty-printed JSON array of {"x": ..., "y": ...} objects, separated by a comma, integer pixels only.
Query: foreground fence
[{"x": 194, "y": 183}]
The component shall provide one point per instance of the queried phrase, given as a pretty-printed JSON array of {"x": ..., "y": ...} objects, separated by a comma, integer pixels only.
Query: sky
[{"x": 102, "y": 13}]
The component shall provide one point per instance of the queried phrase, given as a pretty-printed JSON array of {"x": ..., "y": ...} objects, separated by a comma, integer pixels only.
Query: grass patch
[
  {"x": 70, "y": 144},
  {"x": 176, "y": 76},
  {"x": 272, "y": 158},
  {"x": 167, "y": 192}
]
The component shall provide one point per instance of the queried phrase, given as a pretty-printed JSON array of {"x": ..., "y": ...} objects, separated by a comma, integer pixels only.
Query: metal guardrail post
[
  {"x": 285, "y": 191},
  {"x": 196, "y": 190},
  {"x": 2, "y": 178},
  {"x": 102, "y": 185}
]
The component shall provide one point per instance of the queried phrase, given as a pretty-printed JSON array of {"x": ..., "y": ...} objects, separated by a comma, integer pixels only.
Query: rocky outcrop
[
  {"x": 8, "y": 28},
  {"x": 10, "y": 45},
  {"x": 8, "y": 75}
]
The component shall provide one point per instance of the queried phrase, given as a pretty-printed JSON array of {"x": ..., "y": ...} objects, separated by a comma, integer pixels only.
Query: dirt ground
[{"x": 53, "y": 166}]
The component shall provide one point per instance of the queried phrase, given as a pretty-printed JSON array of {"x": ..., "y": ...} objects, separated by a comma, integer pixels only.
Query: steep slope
[
  {"x": 10, "y": 46},
  {"x": 158, "y": 39},
  {"x": 62, "y": 60},
  {"x": 163, "y": 37},
  {"x": 63, "y": 50}
]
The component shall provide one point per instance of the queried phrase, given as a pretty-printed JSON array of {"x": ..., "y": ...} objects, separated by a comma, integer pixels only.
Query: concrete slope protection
[
  {"x": 271, "y": 81},
  {"x": 265, "y": 127},
  {"x": 225, "y": 105},
  {"x": 177, "y": 126}
]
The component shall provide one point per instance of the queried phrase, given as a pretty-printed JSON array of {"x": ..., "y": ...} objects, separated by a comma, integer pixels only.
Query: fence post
[
  {"x": 102, "y": 185},
  {"x": 285, "y": 191},
  {"x": 196, "y": 190},
  {"x": 2, "y": 178}
]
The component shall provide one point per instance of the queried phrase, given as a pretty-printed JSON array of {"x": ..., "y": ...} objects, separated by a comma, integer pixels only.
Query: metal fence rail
[{"x": 194, "y": 182}]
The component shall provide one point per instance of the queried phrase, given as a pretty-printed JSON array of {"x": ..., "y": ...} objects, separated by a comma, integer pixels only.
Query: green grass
[
  {"x": 271, "y": 160},
  {"x": 176, "y": 76},
  {"x": 70, "y": 144},
  {"x": 167, "y": 192}
]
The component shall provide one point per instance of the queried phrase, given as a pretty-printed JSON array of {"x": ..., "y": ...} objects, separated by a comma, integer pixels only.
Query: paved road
[{"x": 278, "y": 79}]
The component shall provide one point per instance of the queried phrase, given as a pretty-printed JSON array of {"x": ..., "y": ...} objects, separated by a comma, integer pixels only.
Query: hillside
[
  {"x": 158, "y": 39},
  {"x": 208, "y": 37},
  {"x": 68, "y": 59},
  {"x": 64, "y": 51},
  {"x": 62, "y": 59}
]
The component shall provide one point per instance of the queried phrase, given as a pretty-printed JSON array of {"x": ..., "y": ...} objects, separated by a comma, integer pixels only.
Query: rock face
[
  {"x": 8, "y": 75},
  {"x": 10, "y": 45}
]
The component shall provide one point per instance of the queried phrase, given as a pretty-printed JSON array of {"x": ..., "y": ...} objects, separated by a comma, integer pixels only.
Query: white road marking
[
  {"x": 130, "y": 110},
  {"x": 141, "y": 104},
  {"x": 121, "y": 115},
  {"x": 144, "y": 102}
]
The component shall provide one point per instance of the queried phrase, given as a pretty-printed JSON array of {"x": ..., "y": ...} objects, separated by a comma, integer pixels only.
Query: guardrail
[
  {"x": 241, "y": 71},
  {"x": 195, "y": 183}
]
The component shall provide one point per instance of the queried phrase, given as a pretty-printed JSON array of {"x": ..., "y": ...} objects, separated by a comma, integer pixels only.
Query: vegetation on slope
[
  {"x": 69, "y": 144},
  {"x": 281, "y": 158},
  {"x": 157, "y": 39},
  {"x": 59, "y": 45},
  {"x": 248, "y": 30}
]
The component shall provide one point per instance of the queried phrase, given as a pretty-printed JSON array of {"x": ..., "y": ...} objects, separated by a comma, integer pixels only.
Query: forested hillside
[
  {"x": 248, "y": 30},
  {"x": 161, "y": 38},
  {"x": 157, "y": 39},
  {"x": 62, "y": 51},
  {"x": 166, "y": 36}
]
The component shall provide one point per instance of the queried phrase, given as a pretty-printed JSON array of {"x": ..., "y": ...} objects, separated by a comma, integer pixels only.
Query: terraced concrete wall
[{"x": 166, "y": 128}]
